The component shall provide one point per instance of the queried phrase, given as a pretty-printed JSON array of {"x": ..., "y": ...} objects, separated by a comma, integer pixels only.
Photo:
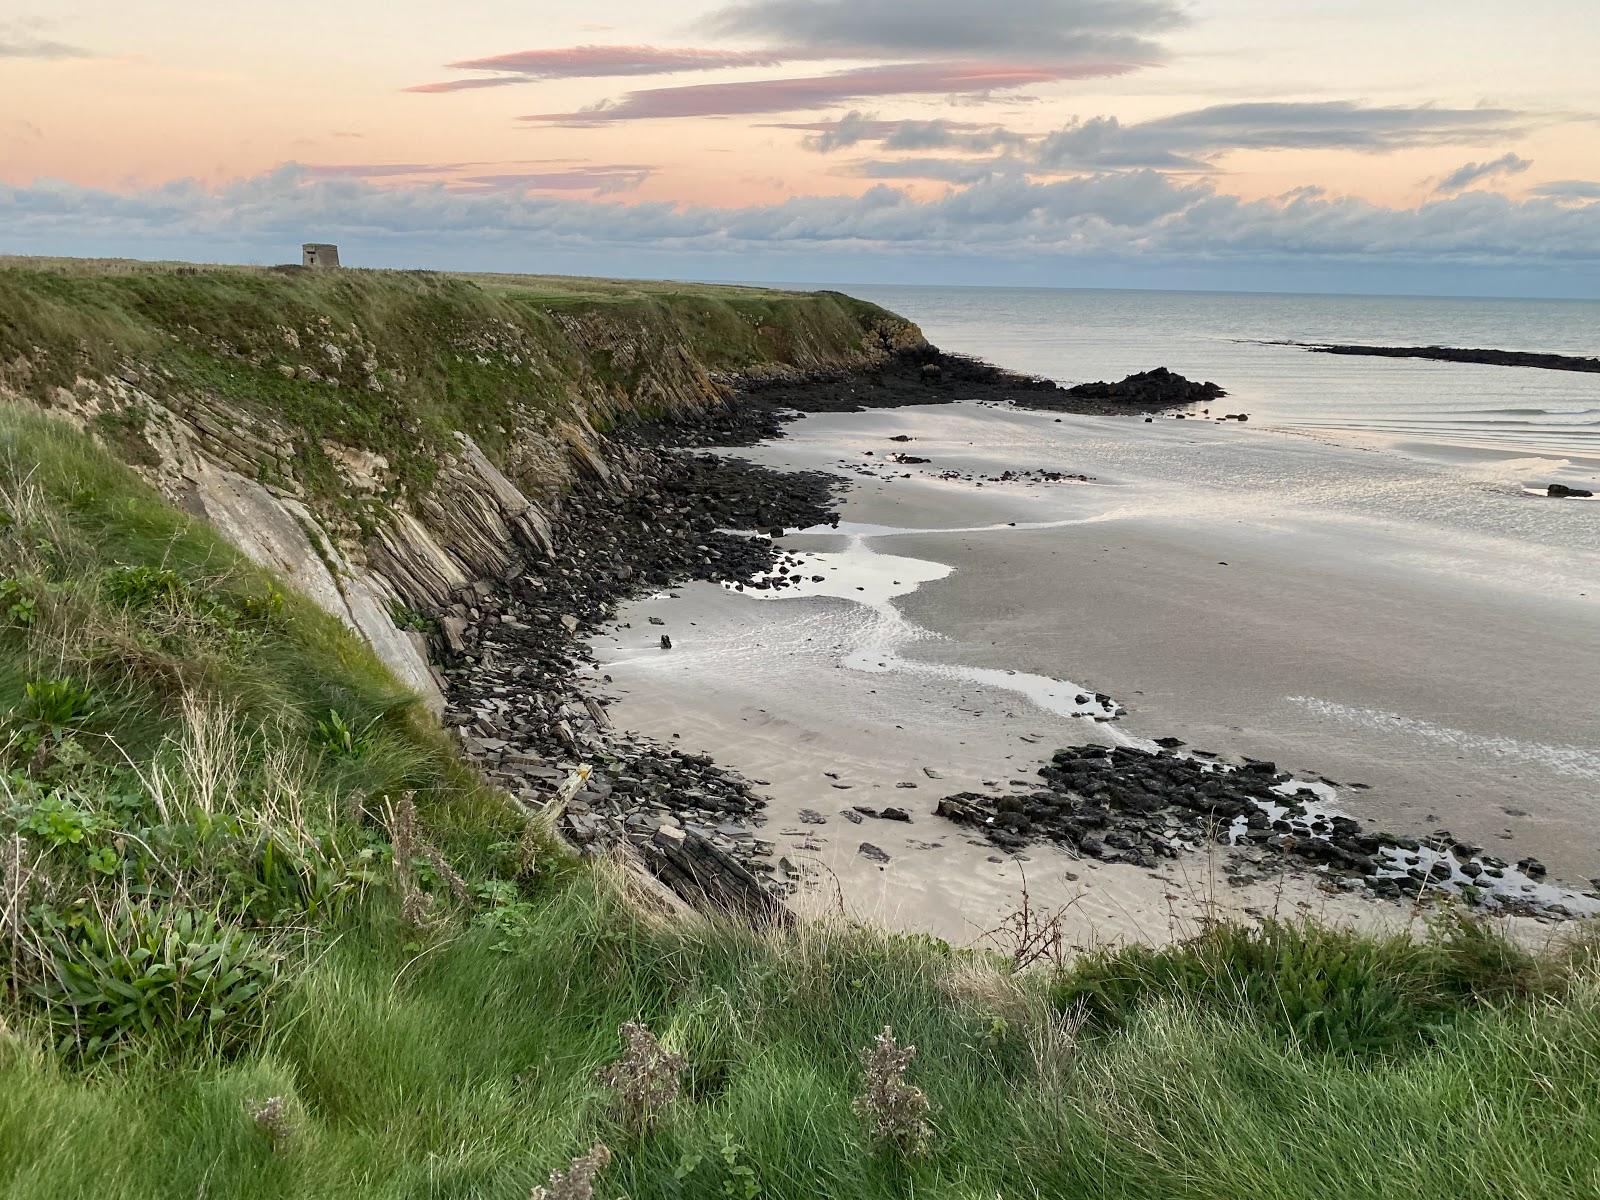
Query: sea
[{"x": 1544, "y": 423}]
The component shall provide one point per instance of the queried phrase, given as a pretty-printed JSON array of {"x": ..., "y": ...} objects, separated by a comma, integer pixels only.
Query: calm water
[{"x": 1438, "y": 410}]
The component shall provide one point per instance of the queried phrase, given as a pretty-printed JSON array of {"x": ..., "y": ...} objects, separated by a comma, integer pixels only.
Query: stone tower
[{"x": 319, "y": 254}]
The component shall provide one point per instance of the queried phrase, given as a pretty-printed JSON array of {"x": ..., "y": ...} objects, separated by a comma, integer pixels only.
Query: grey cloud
[
  {"x": 849, "y": 130},
  {"x": 1569, "y": 189},
  {"x": 854, "y": 128},
  {"x": 1470, "y": 173},
  {"x": 24, "y": 38},
  {"x": 945, "y": 135},
  {"x": 947, "y": 170},
  {"x": 820, "y": 91},
  {"x": 1186, "y": 141},
  {"x": 1105, "y": 143},
  {"x": 12, "y": 46},
  {"x": 603, "y": 178},
  {"x": 588, "y": 62},
  {"x": 1039, "y": 29}
]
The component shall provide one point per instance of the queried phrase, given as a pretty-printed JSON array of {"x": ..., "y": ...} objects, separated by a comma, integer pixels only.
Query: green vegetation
[
  {"x": 263, "y": 935},
  {"x": 389, "y": 363}
]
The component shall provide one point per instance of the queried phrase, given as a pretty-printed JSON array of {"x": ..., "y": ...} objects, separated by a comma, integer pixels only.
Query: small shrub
[
  {"x": 896, "y": 1112},
  {"x": 738, "y": 1180},
  {"x": 335, "y": 736},
  {"x": 265, "y": 608},
  {"x": 56, "y": 704},
  {"x": 645, "y": 1079},
  {"x": 58, "y": 821},
  {"x": 282, "y": 879},
  {"x": 577, "y": 1181},
  {"x": 406, "y": 617},
  {"x": 104, "y": 861},
  {"x": 504, "y": 914},
  {"x": 169, "y": 976},
  {"x": 141, "y": 587},
  {"x": 17, "y": 606}
]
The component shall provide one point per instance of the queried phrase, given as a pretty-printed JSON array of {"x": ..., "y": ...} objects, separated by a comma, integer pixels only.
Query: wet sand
[{"x": 1419, "y": 628}]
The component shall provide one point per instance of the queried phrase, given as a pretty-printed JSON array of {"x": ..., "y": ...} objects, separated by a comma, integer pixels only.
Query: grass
[
  {"x": 469, "y": 1072},
  {"x": 391, "y": 363},
  {"x": 263, "y": 935}
]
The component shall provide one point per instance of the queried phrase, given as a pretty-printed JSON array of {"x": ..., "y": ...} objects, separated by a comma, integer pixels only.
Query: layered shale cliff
[{"x": 395, "y": 443}]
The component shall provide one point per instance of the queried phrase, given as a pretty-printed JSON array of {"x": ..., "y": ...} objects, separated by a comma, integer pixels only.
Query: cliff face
[{"x": 392, "y": 442}]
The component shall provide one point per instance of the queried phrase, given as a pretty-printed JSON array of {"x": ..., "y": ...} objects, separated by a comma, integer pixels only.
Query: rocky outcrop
[
  {"x": 1126, "y": 805},
  {"x": 1148, "y": 390},
  {"x": 1494, "y": 358}
]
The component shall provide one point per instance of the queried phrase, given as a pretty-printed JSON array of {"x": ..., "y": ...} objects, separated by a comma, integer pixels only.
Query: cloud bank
[
  {"x": 1569, "y": 189},
  {"x": 1186, "y": 140},
  {"x": 1131, "y": 218},
  {"x": 1190, "y": 142}
]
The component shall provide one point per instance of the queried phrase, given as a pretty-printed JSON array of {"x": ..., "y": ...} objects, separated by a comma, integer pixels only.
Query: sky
[{"x": 1429, "y": 147}]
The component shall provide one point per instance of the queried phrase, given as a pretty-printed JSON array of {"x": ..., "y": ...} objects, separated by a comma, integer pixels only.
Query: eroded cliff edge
[{"x": 394, "y": 443}]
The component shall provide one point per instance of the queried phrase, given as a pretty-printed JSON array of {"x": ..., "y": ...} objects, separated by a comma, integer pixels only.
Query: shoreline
[
  {"x": 735, "y": 802},
  {"x": 725, "y": 735}
]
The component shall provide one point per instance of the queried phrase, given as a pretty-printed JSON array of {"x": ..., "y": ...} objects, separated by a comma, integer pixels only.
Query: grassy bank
[
  {"x": 262, "y": 935},
  {"x": 470, "y": 1072}
]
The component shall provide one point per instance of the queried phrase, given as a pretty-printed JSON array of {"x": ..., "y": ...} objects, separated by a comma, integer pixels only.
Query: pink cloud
[
  {"x": 380, "y": 170},
  {"x": 817, "y": 91},
  {"x": 563, "y": 175},
  {"x": 604, "y": 179},
  {"x": 467, "y": 85},
  {"x": 580, "y": 62}
]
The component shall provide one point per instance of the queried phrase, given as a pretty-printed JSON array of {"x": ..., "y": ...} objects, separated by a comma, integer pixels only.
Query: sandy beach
[{"x": 1426, "y": 631}]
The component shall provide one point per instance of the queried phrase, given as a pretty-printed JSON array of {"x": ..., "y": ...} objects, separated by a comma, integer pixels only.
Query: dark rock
[
  {"x": 868, "y": 850},
  {"x": 1159, "y": 388},
  {"x": 1561, "y": 490},
  {"x": 1499, "y": 358},
  {"x": 1120, "y": 804}
]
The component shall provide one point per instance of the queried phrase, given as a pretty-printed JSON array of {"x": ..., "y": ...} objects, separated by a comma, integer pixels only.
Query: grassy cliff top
[
  {"x": 552, "y": 287},
  {"x": 394, "y": 363}
]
